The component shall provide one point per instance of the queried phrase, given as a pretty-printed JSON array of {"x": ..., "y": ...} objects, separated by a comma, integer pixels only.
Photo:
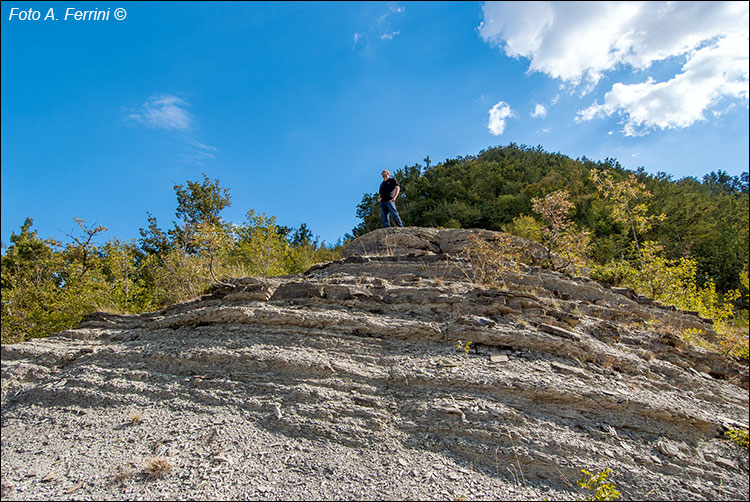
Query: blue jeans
[{"x": 387, "y": 208}]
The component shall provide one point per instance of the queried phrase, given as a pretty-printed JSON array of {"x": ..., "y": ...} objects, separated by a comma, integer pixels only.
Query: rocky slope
[{"x": 350, "y": 382}]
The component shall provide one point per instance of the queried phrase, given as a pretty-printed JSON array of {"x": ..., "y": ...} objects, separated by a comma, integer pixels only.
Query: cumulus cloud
[
  {"x": 579, "y": 42},
  {"x": 539, "y": 111},
  {"x": 710, "y": 74},
  {"x": 498, "y": 114},
  {"x": 163, "y": 112}
]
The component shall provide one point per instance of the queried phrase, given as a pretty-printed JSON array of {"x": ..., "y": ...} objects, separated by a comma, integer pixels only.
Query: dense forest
[{"x": 683, "y": 242}]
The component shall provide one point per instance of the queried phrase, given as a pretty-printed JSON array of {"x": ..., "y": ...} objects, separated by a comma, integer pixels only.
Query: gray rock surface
[{"x": 351, "y": 382}]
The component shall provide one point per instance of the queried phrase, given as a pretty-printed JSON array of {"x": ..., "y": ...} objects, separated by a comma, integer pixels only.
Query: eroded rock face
[{"x": 360, "y": 355}]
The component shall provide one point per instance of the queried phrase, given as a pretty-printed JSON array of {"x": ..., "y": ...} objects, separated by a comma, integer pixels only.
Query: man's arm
[{"x": 398, "y": 190}]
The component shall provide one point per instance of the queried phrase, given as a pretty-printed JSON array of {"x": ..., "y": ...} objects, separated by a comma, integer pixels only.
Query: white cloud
[
  {"x": 498, "y": 114},
  {"x": 169, "y": 113},
  {"x": 163, "y": 112},
  {"x": 389, "y": 36},
  {"x": 710, "y": 74},
  {"x": 539, "y": 111},
  {"x": 579, "y": 42}
]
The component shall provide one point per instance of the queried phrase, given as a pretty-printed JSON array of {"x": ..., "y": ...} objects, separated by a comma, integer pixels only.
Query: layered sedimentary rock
[{"x": 372, "y": 353}]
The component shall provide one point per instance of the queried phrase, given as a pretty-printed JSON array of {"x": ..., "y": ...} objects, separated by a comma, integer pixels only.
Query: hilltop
[{"x": 355, "y": 380}]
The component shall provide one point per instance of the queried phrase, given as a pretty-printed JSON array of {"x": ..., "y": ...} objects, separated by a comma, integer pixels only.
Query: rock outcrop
[{"x": 352, "y": 380}]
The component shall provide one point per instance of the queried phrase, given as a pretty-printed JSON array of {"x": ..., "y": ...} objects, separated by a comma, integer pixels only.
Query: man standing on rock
[{"x": 389, "y": 190}]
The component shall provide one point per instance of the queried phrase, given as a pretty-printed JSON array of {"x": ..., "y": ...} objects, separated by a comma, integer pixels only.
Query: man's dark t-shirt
[{"x": 388, "y": 189}]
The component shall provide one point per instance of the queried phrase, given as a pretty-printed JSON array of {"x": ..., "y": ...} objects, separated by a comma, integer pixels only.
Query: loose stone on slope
[
  {"x": 554, "y": 330},
  {"x": 668, "y": 449}
]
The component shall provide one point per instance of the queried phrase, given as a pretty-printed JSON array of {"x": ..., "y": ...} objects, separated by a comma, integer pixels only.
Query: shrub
[
  {"x": 738, "y": 437},
  {"x": 614, "y": 273},
  {"x": 599, "y": 487},
  {"x": 674, "y": 282},
  {"x": 491, "y": 262},
  {"x": 525, "y": 226}
]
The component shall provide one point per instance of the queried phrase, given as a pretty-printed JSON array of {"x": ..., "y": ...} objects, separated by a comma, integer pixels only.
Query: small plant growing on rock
[
  {"x": 135, "y": 418},
  {"x": 158, "y": 467},
  {"x": 463, "y": 347},
  {"x": 738, "y": 437},
  {"x": 599, "y": 487}
]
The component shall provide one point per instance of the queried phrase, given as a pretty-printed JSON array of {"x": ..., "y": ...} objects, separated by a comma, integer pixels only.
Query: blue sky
[{"x": 297, "y": 107}]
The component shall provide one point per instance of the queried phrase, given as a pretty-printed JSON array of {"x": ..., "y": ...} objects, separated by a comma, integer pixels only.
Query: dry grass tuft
[{"x": 158, "y": 467}]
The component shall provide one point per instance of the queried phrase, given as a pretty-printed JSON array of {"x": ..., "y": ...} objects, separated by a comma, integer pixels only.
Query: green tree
[
  {"x": 83, "y": 250},
  {"x": 212, "y": 242},
  {"x": 261, "y": 247},
  {"x": 46, "y": 287},
  {"x": 628, "y": 201},
  {"x": 174, "y": 276},
  {"x": 199, "y": 203},
  {"x": 181, "y": 264},
  {"x": 31, "y": 281},
  {"x": 154, "y": 240}
]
